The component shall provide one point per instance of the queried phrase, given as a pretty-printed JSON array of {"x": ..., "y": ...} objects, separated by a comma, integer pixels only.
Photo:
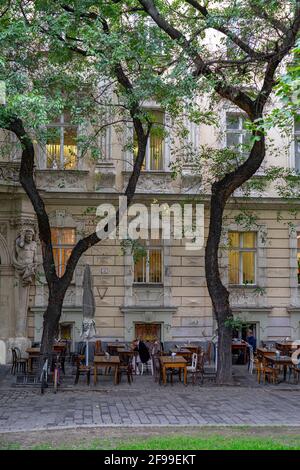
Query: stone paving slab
[{"x": 147, "y": 404}]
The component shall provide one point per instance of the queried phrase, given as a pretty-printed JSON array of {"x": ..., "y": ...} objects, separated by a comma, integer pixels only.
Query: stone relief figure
[
  {"x": 24, "y": 258},
  {"x": 25, "y": 263}
]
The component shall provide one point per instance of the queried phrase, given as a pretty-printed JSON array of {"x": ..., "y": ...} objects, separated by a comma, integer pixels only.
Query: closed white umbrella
[{"x": 88, "y": 307}]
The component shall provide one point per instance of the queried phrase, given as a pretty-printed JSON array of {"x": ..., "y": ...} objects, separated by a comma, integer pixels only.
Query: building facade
[{"x": 163, "y": 294}]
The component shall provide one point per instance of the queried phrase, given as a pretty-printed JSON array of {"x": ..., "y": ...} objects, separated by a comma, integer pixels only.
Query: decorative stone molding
[
  {"x": 62, "y": 180},
  {"x": 153, "y": 182},
  {"x": 294, "y": 286},
  {"x": 162, "y": 315},
  {"x": 4, "y": 230},
  {"x": 257, "y": 315},
  {"x": 9, "y": 173},
  {"x": 105, "y": 177},
  {"x": 5, "y": 258},
  {"x": 294, "y": 321}
]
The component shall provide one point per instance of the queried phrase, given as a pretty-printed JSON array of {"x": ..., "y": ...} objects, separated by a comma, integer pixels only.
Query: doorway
[{"x": 148, "y": 331}]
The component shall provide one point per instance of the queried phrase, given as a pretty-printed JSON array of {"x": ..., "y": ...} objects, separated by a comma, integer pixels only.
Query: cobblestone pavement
[{"x": 145, "y": 403}]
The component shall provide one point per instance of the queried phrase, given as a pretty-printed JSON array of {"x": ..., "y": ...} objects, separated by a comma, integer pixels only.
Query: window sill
[
  {"x": 242, "y": 286},
  {"x": 149, "y": 172},
  {"x": 148, "y": 284}
]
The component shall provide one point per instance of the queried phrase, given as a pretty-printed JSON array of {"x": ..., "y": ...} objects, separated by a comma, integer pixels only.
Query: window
[
  {"x": 237, "y": 137},
  {"x": 148, "y": 269},
  {"x": 63, "y": 240},
  {"x": 297, "y": 143},
  {"x": 61, "y": 147},
  {"x": 154, "y": 158},
  {"x": 242, "y": 258}
]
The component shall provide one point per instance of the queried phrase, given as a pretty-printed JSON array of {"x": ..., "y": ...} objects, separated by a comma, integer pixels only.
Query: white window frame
[
  {"x": 148, "y": 248},
  {"x": 62, "y": 124},
  {"x": 241, "y": 132},
  {"x": 296, "y": 134},
  {"x": 240, "y": 250},
  {"x": 164, "y": 145}
]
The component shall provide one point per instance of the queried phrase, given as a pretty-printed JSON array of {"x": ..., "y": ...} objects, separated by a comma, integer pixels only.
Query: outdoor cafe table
[
  {"x": 191, "y": 347},
  {"x": 281, "y": 361},
  {"x": 104, "y": 361},
  {"x": 173, "y": 362},
  {"x": 287, "y": 347},
  {"x": 241, "y": 346},
  {"x": 184, "y": 352},
  {"x": 265, "y": 352},
  {"x": 34, "y": 353},
  {"x": 112, "y": 347}
]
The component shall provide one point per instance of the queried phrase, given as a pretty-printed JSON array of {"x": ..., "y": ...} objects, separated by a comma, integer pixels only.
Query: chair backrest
[
  {"x": 201, "y": 361},
  {"x": 208, "y": 350},
  {"x": 18, "y": 352},
  {"x": 14, "y": 355},
  {"x": 98, "y": 347},
  {"x": 194, "y": 360}
]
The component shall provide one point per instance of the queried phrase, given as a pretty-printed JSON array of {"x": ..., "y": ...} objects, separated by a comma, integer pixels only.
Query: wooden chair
[
  {"x": 19, "y": 363},
  {"x": 98, "y": 348},
  {"x": 197, "y": 367},
  {"x": 268, "y": 371},
  {"x": 125, "y": 367},
  {"x": 207, "y": 354},
  {"x": 81, "y": 368}
]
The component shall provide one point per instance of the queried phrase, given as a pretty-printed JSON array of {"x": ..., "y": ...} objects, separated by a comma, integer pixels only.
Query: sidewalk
[{"x": 145, "y": 403}]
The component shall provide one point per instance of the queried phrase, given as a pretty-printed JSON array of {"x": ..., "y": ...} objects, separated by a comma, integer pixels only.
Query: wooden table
[
  {"x": 112, "y": 347},
  {"x": 184, "y": 352},
  {"x": 104, "y": 361},
  {"x": 33, "y": 353},
  {"x": 176, "y": 362},
  {"x": 191, "y": 347},
  {"x": 265, "y": 352},
  {"x": 286, "y": 347},
  {"x": 284, "y": 361},
  {"x": 242, "y": 347}
]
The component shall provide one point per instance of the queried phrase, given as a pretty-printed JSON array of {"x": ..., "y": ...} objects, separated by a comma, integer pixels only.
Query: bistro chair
[
  {"x": 18, "y": 363},
  {"x": 82, "y": 369},
  {"x": 207, "y": 354},
  {"x": 98, "y": 348},
  {"x": 193, "y": 368},
  {"x": 269, "y": 371},
  {"x": 125, "y": 367}
]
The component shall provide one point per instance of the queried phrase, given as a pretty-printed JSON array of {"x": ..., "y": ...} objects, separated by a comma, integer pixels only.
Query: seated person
[{"x": 143, "y": 353}]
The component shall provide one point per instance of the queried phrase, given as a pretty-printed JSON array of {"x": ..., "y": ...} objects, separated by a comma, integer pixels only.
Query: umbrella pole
[{"x": 87, "y": 353}]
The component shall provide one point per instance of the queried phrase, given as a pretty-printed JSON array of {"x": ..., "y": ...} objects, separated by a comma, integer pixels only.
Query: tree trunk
[
  {"x": 50, "y": 325},
  {"x": 217, "y": 291}
]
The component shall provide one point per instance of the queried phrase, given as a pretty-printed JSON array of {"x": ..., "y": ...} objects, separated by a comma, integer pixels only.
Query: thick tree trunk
[
  {"x": 50, "y": 325},
  {"x": 218, "y": 292}
]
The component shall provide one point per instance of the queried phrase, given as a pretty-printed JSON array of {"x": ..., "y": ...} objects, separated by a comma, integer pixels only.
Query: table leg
[
  {"x": 116, "y": 374},
  {"x": 185, "y": 375},
  {"x": 164, "y": 376},
  {"x": 284, "y": 372},
  {"x": 179, "y": 374},
  {"x": 95, "y": 375}
]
